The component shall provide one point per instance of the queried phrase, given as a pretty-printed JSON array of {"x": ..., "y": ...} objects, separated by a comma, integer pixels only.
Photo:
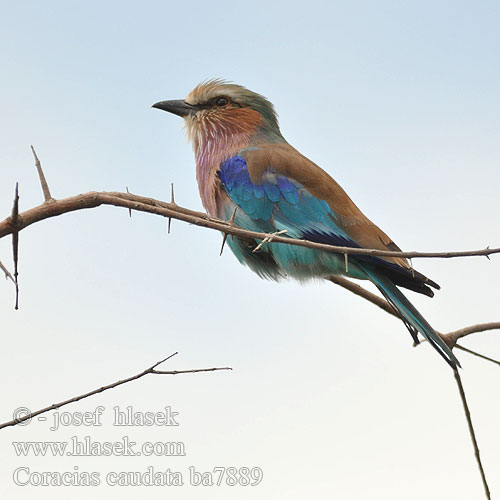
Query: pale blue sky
[{"x": 399, "y": 101}]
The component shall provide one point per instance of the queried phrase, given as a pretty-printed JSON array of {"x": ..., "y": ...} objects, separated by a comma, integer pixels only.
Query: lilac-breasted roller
[{"x": 243, "y": 162}]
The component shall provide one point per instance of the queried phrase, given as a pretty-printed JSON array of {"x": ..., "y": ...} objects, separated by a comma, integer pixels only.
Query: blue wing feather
[
  {"x": 283, "y": 200},
  {"x": 278, "y": 203}
]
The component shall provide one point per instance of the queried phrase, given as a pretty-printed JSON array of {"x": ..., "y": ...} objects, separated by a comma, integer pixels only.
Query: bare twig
[
  {"x": 362, "y": 292},
  {"x": 43, "y": 181},
  {"x": 479, "y": 355},
  {"x": 471, "y": 432},
  {"x": 452, "y": 337},
  {"x": 174, "y": 211},
  {"x": 147, "y": 371},
  {"x": 196, "y": 370}
]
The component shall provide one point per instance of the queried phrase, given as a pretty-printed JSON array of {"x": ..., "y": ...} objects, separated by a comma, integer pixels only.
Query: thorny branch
[
  {"x": 51, "y": 208},
  {"x": 173, "y": 211},
  {"x": 147, "y": 371}
]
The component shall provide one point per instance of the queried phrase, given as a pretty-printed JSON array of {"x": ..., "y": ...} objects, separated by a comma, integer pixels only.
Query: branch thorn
[
  {"x": 268, "y": 239},
  {"x": 8, "y": 276},
  {"x": 231, "y": 223},
  {"x": 172, "y": 201},
  {"x": 129, "y": 210},
  {"x": 15, "y": 240},
  {"x": 43, "y": 181},
  {"x": 172, "y": 198}
]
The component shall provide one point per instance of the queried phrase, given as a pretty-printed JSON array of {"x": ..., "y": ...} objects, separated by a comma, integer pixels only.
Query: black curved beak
[{"x": 177, "y": 107}]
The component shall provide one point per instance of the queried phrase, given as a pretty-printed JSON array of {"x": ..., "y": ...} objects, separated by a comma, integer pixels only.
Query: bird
[{"x": 248, "y": 173}]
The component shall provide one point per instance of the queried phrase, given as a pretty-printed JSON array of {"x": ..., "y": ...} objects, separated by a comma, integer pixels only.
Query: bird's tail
[{"x": 411, "y": 317}]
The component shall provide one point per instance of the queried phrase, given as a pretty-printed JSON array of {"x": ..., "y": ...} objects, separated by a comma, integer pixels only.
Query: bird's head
[{"x": 216, "y": 110}]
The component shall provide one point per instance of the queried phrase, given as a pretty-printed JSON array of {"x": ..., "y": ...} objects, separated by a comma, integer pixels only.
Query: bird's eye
[{"x": 222, "y": 101}]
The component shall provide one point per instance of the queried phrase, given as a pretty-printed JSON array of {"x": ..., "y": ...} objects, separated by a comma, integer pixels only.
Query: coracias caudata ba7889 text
[{"x": 243, "y": 162}]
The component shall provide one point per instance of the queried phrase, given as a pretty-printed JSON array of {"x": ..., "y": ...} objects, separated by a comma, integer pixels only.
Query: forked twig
[{"x": 147, "y": 371}]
